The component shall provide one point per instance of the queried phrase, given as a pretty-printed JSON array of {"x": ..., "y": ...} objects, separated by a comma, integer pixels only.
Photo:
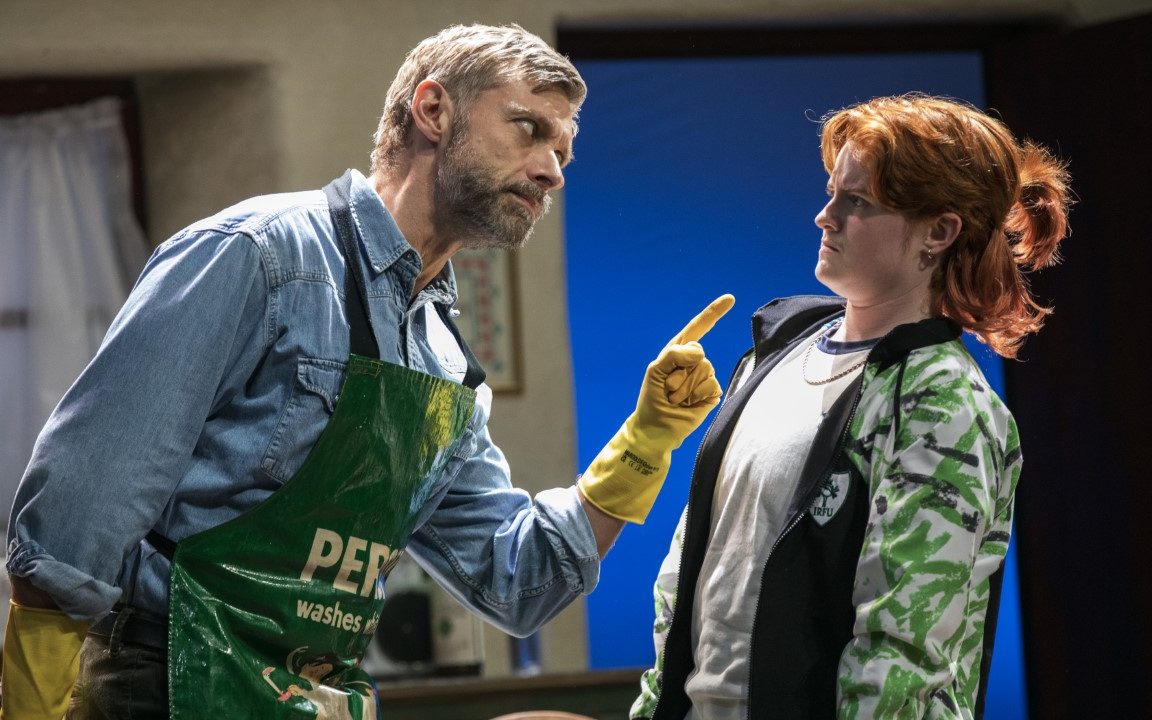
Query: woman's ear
[{"x": 942, "y": 232}]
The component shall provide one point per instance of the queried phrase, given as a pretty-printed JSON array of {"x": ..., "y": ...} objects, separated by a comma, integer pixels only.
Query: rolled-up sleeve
[{"x": 121, "y": 439}]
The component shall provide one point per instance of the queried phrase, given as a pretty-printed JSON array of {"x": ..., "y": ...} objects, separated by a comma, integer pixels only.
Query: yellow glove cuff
[
  {"x": 41, "y": 662},
  {"x": 625, "y": 478}
]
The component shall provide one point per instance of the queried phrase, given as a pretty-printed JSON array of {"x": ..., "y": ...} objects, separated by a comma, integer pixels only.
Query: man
[{"x": 283, "y": 406}]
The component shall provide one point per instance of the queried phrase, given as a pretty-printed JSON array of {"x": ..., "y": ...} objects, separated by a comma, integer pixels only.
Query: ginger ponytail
[
  {"x": 983, "y": 285},
  {"x": 1039, "y": 220}
]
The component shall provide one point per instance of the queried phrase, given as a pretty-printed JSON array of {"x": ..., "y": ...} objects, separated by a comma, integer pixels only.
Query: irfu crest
[{"x": 830, "y": 498}]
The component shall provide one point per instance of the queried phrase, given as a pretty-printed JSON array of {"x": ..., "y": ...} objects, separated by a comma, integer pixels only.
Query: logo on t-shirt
[{"x": 831, "y": 497}]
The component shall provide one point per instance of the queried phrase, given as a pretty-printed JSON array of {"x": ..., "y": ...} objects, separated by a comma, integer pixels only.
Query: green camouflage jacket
[{"x": 925, "y": 457}]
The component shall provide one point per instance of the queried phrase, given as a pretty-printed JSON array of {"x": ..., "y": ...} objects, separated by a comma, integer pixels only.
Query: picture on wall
[{"x": 488, "y": 320}]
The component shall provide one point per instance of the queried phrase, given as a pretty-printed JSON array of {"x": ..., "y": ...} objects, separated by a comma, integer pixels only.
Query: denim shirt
[{"x": 213, "y": 383}]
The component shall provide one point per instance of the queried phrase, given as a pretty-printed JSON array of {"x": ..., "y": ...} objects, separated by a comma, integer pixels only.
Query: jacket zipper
[{"x": 791, "y": 524}]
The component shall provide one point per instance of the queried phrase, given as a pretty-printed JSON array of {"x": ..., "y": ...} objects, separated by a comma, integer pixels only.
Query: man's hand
[
  {"x": 28, "y": 595},
  {"x": 678, "y": 392},
  {"x": 41, "y": 661},
  {"x": 680, "y": 386}
]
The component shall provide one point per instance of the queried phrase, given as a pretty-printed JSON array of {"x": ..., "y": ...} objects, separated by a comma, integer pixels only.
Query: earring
[{"x": 929, "y": 254}]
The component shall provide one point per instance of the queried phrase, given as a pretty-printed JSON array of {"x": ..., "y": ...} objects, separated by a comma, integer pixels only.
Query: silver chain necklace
[{"x": 808, "y": 351}]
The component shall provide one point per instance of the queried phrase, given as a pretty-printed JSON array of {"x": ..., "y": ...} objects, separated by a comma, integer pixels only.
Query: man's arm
[
  {"x": 108, "y": 458},
  {"x": 121, "y": 439},
  {"x": 518, "y": 560},
  {"x": 605, "y": 527}
]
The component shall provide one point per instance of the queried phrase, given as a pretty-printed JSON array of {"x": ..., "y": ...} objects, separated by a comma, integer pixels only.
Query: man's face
[{"x": 500, "y": 163}]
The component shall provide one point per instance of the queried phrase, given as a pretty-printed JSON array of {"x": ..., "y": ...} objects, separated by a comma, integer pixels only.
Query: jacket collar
[
  {"x": 903, "y": 339},
  {"x": 785, "y": 320}
]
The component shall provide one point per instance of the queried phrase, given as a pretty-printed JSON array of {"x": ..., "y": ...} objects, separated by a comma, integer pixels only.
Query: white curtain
[{"x": 70, "y": 248}]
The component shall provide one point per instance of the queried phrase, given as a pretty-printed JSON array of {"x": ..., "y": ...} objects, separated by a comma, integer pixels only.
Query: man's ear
[
  {"x": 942, "y": 232},
  {"x": 431, "y": 111}
]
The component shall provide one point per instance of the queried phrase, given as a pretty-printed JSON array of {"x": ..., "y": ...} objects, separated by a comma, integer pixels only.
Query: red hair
[{"x": 929, "y": 156}]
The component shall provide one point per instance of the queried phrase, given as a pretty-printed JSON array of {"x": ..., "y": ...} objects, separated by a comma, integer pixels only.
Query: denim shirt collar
[{"x": 385, "y": 245}]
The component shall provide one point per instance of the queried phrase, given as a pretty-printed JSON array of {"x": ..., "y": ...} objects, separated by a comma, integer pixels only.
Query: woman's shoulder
[
  {"x": 943, "y": 363},
  {"x": 945, "y": 380},
  {"x": 939, "y": 383}
]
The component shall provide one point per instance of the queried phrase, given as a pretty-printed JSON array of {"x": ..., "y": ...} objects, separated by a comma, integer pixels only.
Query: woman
[{"x": 850, "y": 509}]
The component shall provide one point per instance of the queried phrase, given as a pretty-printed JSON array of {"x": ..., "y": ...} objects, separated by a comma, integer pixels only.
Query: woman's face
[{"x": 869, "y": 254}]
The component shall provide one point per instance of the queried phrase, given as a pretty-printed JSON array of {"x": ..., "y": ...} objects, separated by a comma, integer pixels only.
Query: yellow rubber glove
[
  {"x": 41, "y": 662},
  {"x": 679, "y": 390}
]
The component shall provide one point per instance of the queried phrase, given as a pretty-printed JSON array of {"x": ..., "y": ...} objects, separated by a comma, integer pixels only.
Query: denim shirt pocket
[{"x": 305, "y": 415}]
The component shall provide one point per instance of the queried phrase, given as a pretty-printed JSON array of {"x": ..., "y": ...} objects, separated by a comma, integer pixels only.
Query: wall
[{"x": 261, "y": 96}]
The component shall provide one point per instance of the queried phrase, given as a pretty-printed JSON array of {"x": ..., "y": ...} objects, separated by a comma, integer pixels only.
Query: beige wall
[{"x": 240, "y": 98}]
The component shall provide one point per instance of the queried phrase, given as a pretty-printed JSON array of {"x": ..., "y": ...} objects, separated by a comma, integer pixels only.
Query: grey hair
[{"x": 467, "y": 60}]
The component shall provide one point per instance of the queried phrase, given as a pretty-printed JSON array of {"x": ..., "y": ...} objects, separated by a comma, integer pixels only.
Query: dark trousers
[{"x": 120, "y": 679}]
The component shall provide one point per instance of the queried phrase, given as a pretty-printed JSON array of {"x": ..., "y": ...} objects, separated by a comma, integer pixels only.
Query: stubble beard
[{"x": 474, "y": 206}]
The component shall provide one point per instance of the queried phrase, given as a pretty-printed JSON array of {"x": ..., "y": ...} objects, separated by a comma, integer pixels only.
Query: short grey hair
[{"x": 467, "y": 60}]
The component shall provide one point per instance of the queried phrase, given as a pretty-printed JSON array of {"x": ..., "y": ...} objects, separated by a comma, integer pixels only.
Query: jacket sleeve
[
  {"x": 943, "y": 469},
  {"x": 664, "y": 596}
]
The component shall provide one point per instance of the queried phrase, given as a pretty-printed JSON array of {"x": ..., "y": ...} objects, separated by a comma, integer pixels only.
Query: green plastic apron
[{"x": 271, "y": 613}]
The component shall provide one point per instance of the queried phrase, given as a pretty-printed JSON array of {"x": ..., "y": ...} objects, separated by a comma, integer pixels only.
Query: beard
[{"x": 473, "y": 204}]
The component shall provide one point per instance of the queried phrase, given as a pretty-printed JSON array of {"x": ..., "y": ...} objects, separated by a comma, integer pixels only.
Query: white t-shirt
[{"x": 758, "y": 476}]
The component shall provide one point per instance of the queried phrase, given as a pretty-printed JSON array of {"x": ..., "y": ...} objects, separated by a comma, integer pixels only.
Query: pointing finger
[{"x": 699, "y": 326}]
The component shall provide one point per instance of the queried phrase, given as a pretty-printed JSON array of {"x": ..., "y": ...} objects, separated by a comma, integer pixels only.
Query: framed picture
[{"x": 488, "y": 304}]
